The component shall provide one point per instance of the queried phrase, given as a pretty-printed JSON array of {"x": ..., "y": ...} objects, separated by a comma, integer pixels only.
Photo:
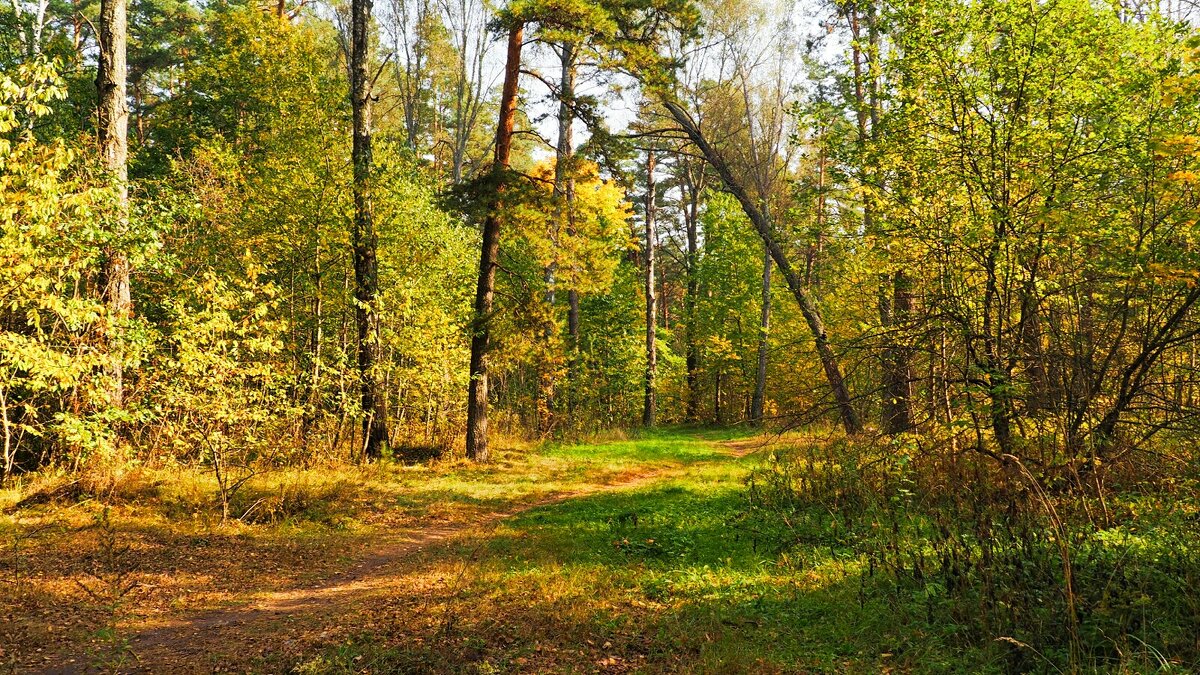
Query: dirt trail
[
  {"x": 747, "y": 446},
  {"x": 193, "y": 642}
]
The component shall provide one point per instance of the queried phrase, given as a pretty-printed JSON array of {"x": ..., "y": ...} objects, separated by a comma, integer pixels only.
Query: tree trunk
[
  {"x": 648, "y": 409},
  {"x": 999, "y": 389},
  {"x": 113, "y": 135},
  {"x": 477, "y": 394},
  {"x": 564, "y": 183},
  {"x": 692, "y": 350},
  {"x": 718, "y": 413},
  {"x": 812, "y": 316},
  {"x": 760, "y": 380},
  {"x": 897, "y": 394},
  {"x": 564, "y": 191},
  {"x": 573, "y": 339},
  {"x": 811, "y": 260},
  {"x": 568, "y": 94},
  {"x": 897, "y": 373},
  {"x": 365, "y": 240}
]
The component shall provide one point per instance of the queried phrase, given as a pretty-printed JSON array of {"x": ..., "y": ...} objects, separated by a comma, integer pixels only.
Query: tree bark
[
  {"x": 564, "y": 192},
  {"x": 692, "y": 349},
  {"x": 808, "y": 309},
  {"x": 565, "y": 153},
  {"x": 649, "y": 407},
  {"x": 898, "y": 375},
  {"x": 477, "y": 394},
  {"x": 811, "y": 260},
  {"x": 365, "y": 239},
  {"x": 760, "y": 379},
  {"x": 564, "y": 183},
  {"x": 113, "y": 135}
]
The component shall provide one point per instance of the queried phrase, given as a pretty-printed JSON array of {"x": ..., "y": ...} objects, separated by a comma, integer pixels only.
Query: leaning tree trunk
[
  {"x": 764, "y": 326},
  {"x": 113, "y": 133},
  {"x": 365, "y": 240},
  {"x": 648, "y": 409},
  {"x": 812, "y": 316},
  {"x": 477, "y": 394}
]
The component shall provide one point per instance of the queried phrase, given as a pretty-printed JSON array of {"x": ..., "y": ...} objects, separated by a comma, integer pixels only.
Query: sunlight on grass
[{"x": 657, "y": 578}]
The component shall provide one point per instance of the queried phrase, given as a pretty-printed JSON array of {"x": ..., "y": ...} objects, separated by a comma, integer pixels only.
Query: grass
[
  {"x": 674, "y": 577},
  {"x": 661, "y": 578},
  {"x": 671, "y": 573},
  {"x": 297, "y": 527}
]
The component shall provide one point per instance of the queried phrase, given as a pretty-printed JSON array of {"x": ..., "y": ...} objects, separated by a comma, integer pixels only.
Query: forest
[{"x": 599, "y": 336}]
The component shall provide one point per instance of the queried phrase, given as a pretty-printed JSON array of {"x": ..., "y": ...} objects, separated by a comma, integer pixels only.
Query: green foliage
[
  {"x": 994, "y": 213},
  {"x": 52, "y": 214},
  {"x": 426, "y": 268},
  {"x": 1005, "y": 175},
  {"x": 730, "y": 278}
]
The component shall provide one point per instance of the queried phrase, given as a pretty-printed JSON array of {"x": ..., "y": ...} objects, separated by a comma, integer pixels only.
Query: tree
[
  {"x": 52, "y": 233},
  {"x": 624, "y": 35},
  {"x": 764, "y": 327},
  {"x": 477, "y": 396},
  {"x": 112, "y": 134},
  {"x": 365, "y": 239},
  {"x": 812, "y": 315},
  {"x": 894, "y": 292},
  {"x": 649, "y": 407},
  {"x": 692, "y": 183},
  {"x": 565, "y": 187},
  {"x": 467, "y": 22}
]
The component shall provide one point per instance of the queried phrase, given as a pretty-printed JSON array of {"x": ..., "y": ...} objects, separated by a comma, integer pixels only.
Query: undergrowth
[{"x": 1027, "y": 571}]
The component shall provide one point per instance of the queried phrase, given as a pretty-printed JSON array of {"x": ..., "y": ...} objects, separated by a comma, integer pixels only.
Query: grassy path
[
  {"x": 433, "y": 560},
  {"x": 658, "y": 577},
  {"x": 198, "y": 636}
]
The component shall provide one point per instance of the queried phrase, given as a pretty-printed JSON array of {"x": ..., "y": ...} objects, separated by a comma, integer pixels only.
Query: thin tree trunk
[
  {"x": 692, "y": 350},
  {"x": 477, "y": 394},
  {"x": 718, "y": 413},
  {"x": 9, "y": 455},
  {"x": 317, "y": 337},
  {"x": 365, "y": 239},
  {"x": 564, "y": 183},
  {"x": 760, "y": 380},
  {"x": 812, "y": 316},
  {"x": 573, "y": 338},
  {"x": 811, "y": 278},
  {"x": 898, "y": 374},
  {"x": 564, "y": 190},
  {"x": 566, "y": 155},
  {"x": 998, "y": 376},
  {"x": 648, "y": 409},
  {"x": 113, "y": 134}
]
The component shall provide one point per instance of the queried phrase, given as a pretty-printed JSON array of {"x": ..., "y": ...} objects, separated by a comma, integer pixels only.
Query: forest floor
[{"x": 620, "y": 556}]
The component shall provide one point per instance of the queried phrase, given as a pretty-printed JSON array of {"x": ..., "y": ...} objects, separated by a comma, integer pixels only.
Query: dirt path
[{"x": 279, "y": 621}]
